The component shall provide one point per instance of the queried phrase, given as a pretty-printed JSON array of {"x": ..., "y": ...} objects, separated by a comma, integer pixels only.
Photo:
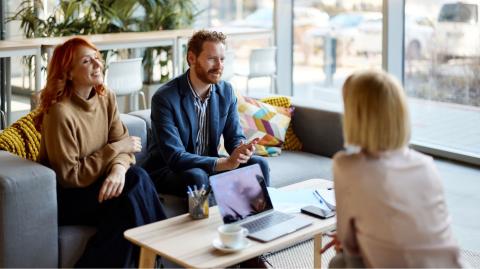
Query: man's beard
[{"x": 203, "y": 75}]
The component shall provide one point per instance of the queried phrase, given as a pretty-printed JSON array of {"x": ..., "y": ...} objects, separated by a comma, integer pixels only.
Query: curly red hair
[{"x": 58, "y": 85}]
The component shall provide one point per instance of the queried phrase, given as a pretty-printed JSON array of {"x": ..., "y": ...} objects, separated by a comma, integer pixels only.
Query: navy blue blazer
[{"x": 175, "y": 126}]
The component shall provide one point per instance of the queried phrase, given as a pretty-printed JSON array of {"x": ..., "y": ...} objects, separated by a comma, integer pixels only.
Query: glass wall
[
  {"x": 240, "y": 16},
  {"x": 442, "y": 62},
  {"x": 332, "y": 38}
]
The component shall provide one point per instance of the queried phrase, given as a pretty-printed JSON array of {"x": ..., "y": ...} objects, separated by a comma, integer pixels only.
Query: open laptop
[{"x": 243, "y": 199}]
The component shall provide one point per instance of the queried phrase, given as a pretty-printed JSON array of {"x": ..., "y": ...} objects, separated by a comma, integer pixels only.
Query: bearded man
[{"x": 189, "y": 115}]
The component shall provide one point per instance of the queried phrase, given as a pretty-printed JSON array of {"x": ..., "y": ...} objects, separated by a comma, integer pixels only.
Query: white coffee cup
[{"x": 231, "y": 235}]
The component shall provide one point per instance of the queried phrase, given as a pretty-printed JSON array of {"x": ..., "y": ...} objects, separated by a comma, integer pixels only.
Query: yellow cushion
[
  {"x": 292, "y": 142},
  {"x": 21, "y": 138}
]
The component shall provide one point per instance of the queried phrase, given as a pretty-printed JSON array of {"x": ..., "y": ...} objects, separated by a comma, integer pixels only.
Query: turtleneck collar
[{"x": 87, "y": 105}]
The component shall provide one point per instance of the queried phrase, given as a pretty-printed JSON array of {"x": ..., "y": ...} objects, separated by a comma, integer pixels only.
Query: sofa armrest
[{"x": 28, "y": 213}]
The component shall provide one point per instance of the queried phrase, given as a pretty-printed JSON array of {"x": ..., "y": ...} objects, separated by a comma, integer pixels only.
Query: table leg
[
  {"x": 147, "y": 258},
  {"x": 317, "y": 246}
]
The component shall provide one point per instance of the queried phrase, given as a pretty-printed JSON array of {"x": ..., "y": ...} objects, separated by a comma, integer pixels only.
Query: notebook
[{"x": 242, "y": 198}]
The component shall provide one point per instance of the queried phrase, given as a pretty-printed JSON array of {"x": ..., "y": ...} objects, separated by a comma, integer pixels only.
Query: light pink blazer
[{"x": 391, "y": 210}]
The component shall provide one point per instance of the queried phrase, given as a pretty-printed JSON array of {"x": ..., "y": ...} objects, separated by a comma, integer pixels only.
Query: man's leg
[
  {"x": 169, "y": 182},
  {"x": 263, "y": 165}
]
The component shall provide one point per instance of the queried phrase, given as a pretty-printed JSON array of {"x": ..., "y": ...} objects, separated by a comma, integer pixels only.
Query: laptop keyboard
[{"x": 266, "y": 221}]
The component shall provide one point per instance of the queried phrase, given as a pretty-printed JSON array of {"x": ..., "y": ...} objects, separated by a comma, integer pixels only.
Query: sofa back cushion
[
  {"x": 22, "y": 138},
  {"x": 320, "y": 130},
  {"x": 268, "y": 122},
  {"x": 136, "y": 127},
  {"x": 291, "y": 140}
]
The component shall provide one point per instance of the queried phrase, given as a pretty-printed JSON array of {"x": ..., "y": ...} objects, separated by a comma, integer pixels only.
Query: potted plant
[
  {"x": 163, "y": 15},
  {"x": 80, "y": 17}
]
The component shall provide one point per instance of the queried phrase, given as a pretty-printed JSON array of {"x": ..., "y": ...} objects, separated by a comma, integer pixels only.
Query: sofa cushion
[
  {"x": 296, "y": 166},
  {"x": 319, "y": 129},
  {"x": 136, "y": 127},
  {"x": 291, "y": 140},
  {"x": 144, "y": 115},
  {"x": 22, "y": 138},
  {"x": 269, "y": 122},
  {"x": 72, "y": 242}
]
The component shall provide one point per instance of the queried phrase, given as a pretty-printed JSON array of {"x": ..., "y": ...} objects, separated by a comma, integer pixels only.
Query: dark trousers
[
  {"x": 137, "y": 205},
  {"x": 343, "y": 260},
  {"x": 174, "y": 183}
]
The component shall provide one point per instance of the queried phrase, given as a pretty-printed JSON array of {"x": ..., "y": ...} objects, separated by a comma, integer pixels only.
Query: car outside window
[{"x": 459, "y": 12}]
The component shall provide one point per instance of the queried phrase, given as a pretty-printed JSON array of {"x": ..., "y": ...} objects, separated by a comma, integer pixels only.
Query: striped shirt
[{"x": 202, "y": 111}]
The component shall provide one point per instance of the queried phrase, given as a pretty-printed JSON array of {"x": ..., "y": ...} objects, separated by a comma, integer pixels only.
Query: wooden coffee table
[{"x": 188, "y": 242}]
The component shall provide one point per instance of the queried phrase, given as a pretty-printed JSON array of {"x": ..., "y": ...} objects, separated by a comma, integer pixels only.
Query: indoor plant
[{"x": 79, "y": 17}]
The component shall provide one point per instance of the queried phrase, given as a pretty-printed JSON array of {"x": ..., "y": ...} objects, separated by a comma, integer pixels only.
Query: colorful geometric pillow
[
  {"x": 292, "y": 142},
  {"x": 269, "y": 122}
]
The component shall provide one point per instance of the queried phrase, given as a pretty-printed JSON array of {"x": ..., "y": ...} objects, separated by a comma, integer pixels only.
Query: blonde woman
[{"x": 391, "y": 210}]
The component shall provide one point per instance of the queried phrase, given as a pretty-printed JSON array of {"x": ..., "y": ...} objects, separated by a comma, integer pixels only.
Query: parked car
[
  {"x": 418, "y": 34},
  {"x": 343, "y": 27},
  {"x": 303, "y": 16},
  {"x": 305, "y": 19},
  {"x": 457, "y": 33}
]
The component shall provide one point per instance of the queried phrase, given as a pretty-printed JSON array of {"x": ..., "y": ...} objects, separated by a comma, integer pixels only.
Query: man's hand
[
  {"x": 129, "y": 144},
  {"x": 113, "y": 184},
  {"x": 240, "y": 154}
]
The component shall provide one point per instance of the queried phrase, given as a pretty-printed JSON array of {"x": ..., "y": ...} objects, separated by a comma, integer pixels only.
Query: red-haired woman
[{"x": 86, "y": 144}]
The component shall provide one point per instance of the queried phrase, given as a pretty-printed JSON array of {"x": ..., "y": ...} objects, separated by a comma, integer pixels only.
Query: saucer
[{"x": 218, "y": 245}]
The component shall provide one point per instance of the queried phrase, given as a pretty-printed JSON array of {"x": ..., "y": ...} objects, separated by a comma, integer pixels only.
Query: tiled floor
[{"x": 462, "y": 184}]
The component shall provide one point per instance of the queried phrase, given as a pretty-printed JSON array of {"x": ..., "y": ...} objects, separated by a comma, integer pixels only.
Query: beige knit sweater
[{"x": 77, "y": 136}]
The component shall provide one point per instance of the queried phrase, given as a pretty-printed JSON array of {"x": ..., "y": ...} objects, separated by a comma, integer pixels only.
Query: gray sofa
[{"x": 30, "y": 236}]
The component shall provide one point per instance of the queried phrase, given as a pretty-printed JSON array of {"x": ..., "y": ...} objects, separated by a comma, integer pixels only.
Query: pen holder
[{"x": 198, "y": 207}]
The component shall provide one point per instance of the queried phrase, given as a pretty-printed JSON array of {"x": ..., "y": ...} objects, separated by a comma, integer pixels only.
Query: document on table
[{"x": 291, "y": 201}]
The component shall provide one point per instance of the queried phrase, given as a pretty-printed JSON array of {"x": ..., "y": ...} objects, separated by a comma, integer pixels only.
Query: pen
[
  {"x": 190, "y": 191},
  {"x": 204, "y": 196},
  {"x": 208, "y": 190},
  {"x": 322, "y": 201},
  {"x": 319, "y": 198}
]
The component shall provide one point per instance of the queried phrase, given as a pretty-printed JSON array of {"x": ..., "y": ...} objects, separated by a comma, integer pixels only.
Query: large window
[
  {"x": 442, "y": 52},
  {"x": 242, "y": 17},
  {"x": 331, "y": 40}
]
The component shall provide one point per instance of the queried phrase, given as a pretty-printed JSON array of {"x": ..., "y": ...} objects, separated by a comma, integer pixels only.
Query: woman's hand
[
  {"x": 113, "y": 184},
  {"x": 129, "y": 144},
  {"x": 335, "y": 242}
]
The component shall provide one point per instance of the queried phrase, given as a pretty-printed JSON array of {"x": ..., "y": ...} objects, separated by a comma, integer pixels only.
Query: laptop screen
[{"x": 240, "y": 193}]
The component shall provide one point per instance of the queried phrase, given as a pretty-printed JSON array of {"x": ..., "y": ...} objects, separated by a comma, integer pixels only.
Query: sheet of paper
[{"x": 291, "y": 201}]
